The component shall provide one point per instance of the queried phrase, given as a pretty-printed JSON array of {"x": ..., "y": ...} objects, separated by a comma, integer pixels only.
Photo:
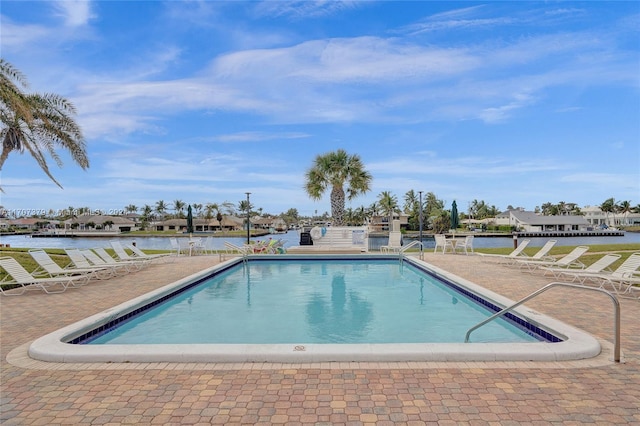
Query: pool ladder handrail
[
  {"x": 410, "y": 245},
  {"x": 614, "y": 299}
]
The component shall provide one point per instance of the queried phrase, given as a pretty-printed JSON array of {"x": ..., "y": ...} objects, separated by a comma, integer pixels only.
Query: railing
[
  {"x": 410, "y": 245},
  {"x": 614, "y": 299}
]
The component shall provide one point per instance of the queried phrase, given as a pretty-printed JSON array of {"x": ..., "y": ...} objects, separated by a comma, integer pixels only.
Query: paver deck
[{"x": 591, "y": 391}]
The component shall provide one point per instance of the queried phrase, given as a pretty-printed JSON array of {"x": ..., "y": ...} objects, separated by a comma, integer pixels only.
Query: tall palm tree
[
  {"x": 197, "y": 209},
  {"x": 389, "y": 205},
  {"x": 348, "y": 216},
  {"x": 37, "y": 123},
  {"x": 147, "y": 212},
  {"x": 412, "y": 208},
  {"x": 246, "y": 206},
  {"x": 178, "y": 207},
  {"x": 161, "y": 208},
  {"x": 361, "y": 215},
  {"x": 335, "y": 169},
  {"x": 609, "y": 206},
  {"x": 432, "y": 204},
  {"x": 131, "y": 208},
  {"x": 624, "y": 207},
  {"x": 373, "y": 209},
  {"x": 209, "y": 210}
]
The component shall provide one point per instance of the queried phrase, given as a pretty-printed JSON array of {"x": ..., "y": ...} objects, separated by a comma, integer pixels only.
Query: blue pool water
[{"x": 315, "y": 301}]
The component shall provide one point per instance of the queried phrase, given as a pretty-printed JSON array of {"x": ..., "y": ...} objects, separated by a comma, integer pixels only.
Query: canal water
[{"x": 291, "y": 238}]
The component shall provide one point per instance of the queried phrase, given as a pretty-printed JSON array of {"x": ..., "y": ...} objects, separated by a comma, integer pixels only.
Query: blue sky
[{"x": 512, "y": 103}]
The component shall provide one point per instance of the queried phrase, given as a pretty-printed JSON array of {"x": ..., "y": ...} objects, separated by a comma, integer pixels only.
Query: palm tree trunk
[{"x": 337, "y": 205}]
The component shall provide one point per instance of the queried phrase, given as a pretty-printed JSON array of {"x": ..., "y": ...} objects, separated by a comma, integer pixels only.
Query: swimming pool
[{"x": 386, "y": 319}]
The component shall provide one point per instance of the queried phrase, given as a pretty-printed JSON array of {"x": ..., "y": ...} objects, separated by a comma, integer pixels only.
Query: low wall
[{"x": 340, "y": 237}]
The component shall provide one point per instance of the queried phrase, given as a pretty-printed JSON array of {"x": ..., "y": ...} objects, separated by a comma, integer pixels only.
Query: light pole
[
  {"x": 420, "y": 220},
  {"x": 248, "y": 219}
]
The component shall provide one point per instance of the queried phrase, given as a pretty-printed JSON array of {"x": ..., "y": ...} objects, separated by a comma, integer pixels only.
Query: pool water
[{"x": 315, "y": 301}]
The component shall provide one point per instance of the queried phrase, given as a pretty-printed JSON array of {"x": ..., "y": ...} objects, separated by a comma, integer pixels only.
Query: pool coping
[{"x": 577, "y": 345}]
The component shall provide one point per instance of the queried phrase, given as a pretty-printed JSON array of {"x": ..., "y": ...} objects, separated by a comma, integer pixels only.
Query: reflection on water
[
  {"x": 357, "y": 301},
  {"x": 346, "y": 308}
]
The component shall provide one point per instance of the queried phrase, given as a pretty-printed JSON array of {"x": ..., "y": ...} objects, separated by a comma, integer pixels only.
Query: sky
[{"x": 511, "y": 103}]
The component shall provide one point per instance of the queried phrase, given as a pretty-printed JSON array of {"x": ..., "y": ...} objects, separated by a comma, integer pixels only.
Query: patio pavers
[{"x": 593, "y": 391}]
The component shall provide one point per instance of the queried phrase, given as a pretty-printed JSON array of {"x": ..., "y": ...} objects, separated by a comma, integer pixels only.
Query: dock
[{"x": 556, "y": 234}]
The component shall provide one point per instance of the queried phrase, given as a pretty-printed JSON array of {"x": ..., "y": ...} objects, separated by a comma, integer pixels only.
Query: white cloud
[
  {"x": 301, "y": 9},
  {"x": 75, "y": 13},
  {"x": 349, "y": 80},
  {"x": 16, "y": 36},
  {"x": 257, "y": 136}
]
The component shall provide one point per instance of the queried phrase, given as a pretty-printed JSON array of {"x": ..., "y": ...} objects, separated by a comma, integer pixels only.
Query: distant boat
[{"x": 278, "y": 229}]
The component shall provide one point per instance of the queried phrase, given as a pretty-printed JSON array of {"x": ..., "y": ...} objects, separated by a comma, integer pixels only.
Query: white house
[
  {"x": 597, "y": 217},
  {"x": 532, "y": 222}
]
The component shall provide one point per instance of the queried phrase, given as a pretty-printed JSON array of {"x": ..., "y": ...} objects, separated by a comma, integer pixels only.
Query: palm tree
[
  {"x": 608, "y": 206},
  {"x": 432, "y": 204},
  {"x": 197, "y": 209},
  {"x": 131, "y": 208},
  {"x": 69, "y": 213},
  {"x": 246, "y": 206},
  {"x": 412, "y": 208},
  {"x": 388, "y": 204},
  {"x": 37, "y": 123},
  {"x": 212, "y": 210},
  {"x": 335, "y": 169},
  {"x": 624, "y": 207},
  {"x": 178, "y": 206},
  {"x": 147, "y": 212},
  {"x": 161, "y": 208},
  {"x": 360, "y": 215}
]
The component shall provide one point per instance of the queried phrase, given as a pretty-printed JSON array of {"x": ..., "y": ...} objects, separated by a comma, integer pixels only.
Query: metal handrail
[
  {"x": 412, "y": 244},
  {"x": 614, "y": 299}
]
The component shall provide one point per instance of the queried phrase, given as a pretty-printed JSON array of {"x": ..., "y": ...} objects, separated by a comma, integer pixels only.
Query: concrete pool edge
[{"x": 52, "y": 347}]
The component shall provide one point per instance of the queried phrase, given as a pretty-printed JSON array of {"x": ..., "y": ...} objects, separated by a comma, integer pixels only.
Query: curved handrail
[
  {"x": 614, "y": 299},
  {"x": 408, "y": 246},
  {"x": 411, "y": 244}
]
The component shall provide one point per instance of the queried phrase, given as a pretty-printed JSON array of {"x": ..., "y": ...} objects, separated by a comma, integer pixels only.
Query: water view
[{"x": 292, "y": 238}]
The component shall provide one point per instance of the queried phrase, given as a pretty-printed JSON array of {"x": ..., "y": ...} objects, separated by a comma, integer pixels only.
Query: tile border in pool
[{"x": 576, "y": 344}]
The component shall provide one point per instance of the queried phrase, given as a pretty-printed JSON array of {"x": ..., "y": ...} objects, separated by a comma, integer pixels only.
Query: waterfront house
[
  {"x": 597, "y": 218},
  {"x": 532, "y": 222},
  {"x": 381, "y": 223}
]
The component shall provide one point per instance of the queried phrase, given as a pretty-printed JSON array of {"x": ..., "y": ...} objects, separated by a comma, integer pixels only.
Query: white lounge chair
[
  {"x": 118, "y": 269},
  {"x": 131, "y": 265},
  {"x": 623, "y": 279},
  {"x": 571, "y": 260},
  {"x": 21, "y": 280},
  {"x": 79, "y": 260},
  {"x": 123, "y": 255},
  {"x": 543, "y": 253},
  {"x": 142, "y": 255},
  {"x": 517, "y": 253},
  {"x": 598, "y": 267},
  {"x": 394, "y": 244},
  {"x": 47, "y": 267}
]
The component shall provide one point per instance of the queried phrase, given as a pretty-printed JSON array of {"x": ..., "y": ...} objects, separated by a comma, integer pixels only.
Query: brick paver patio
[{"x": 593, "y": 391}]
